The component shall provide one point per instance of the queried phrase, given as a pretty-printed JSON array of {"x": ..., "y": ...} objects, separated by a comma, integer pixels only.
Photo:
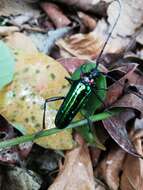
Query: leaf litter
[{"x": 73, "y": 36}]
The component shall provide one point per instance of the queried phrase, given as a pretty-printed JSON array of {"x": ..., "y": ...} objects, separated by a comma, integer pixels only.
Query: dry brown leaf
[
  {"x": 95, "y": 154},
  {"x": 8, "y": 7},
  {"x": 109, "y": 168},
  {"x": 87, "y": 20},
  {"x": 55, "y": 14},
  {"x": 7, "y": 30},
  {"x": 94, "y": 6},
  {"x": 131, "y": 101},
  {"x": 132, "y": 177},
  {"x": 83, "y": 46},
  {"x": 77, "y": 172},
  {"x": 116, "y": 90},
  {"x": 88, "y": 46},
  {"x": 116, "y": 127}
]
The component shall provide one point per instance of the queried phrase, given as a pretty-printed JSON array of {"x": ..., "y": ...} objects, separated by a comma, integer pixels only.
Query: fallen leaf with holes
[
  {"x": 110, "y": 167},
  {"x": 77, "y": 172},
  {"x": 132, "y": 176},
  {"x": 36, "y": 78}
]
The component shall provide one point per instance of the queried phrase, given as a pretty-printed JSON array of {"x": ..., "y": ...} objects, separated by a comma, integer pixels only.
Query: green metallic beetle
[{"x": 79, "y": 92}]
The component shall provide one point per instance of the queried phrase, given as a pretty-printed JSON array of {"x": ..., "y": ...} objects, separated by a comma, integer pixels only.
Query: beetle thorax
[{"x": 88, "y": 80}]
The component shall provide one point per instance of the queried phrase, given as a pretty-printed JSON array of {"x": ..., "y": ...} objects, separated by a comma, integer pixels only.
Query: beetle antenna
[{"x": 98, "y": 58}]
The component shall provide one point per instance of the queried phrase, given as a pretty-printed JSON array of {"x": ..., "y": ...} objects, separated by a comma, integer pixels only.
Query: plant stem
[{"x": 32, "y": 137}]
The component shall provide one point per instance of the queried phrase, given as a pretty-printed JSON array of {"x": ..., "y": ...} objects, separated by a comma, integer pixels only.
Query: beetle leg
[
  {"x": 69, "y": 80},
  {"x": 99, "y": 98},
  {"x": 50, "y": 100},
  {"x": 90, "y": 123},
  {"x": 98, "y": 89}
]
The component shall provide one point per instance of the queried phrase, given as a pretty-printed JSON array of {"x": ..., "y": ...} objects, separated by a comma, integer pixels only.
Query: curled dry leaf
[
  {"x": 88, "y": 46},
  {"x": 94, "y": 6},
  {"x": 84, "y": 46},
  {"x": 55, "y": 14},
  {"x": 7, "y": 30},
  {"x": 116, "y": 90},
  {"x": 116, "y": 127},
  {"x": 131, "y": 101},
  {"x": 77, "y": 172},
  {"x": 87, "y": 20},
  {"x": 110, "y": 167},
  {"x": 132, "y": 177}
]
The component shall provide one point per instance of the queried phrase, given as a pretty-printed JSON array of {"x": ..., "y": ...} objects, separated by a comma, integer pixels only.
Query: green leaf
[{"x": 7, "y": 64}]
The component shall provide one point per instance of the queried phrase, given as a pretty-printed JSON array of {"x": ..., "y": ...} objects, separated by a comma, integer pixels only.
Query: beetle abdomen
[{"x": 75, "y": 99}]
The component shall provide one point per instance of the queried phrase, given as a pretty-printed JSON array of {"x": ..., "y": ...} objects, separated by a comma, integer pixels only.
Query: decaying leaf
[
  {"x": 36, "y": 78},
  {"x": 88, "y": 46},
  {"x": 83, "y": 46},
  {"x": 131, "y": 101},
  {"x": 73, "y": 63},
  {"x": 88, "y": 21},
  {"x": 12, "y": 155},
  {"x": 116, "y": 127},
  {"x": 116, "y": 90},
  {"x": 7, "y": 30},
  {"x": 8, "y": 7},
  {"x": 110, "y": 167},
  {"x": 132, "y": 177},
  {"x": 55, "y": 14},
  {"x": 95, "y": 6},
  {"x": 76, "y": 172},
  {"x": 17, "y": 178}
]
